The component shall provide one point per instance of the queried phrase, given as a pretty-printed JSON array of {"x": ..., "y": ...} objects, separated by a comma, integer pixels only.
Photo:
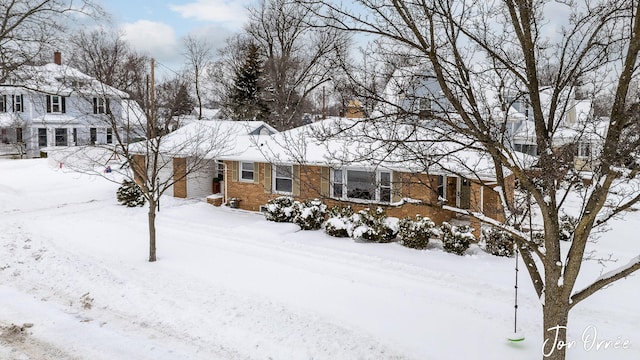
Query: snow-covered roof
[
  {"x": 209, "y": 139},
  {"x": 349, "y": 147},
  {"x": 60, "y": 80},
  {"x": 583, "y": 131}
]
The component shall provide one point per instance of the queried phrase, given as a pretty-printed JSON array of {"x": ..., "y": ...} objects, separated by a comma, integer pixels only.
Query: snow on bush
[
  {"x": 130, "y": 195},
  {"x": 416, "y": 233},
  {"x": 338, "y": 221},
  {"x": 309, "y": 215},
  {"x": 568, "y": 225},
  {"x": 498, "y": 242},
  {"x": 456, "y": 239},
  {"x": 280, "y": 209},
  {"x": 372, "y": 225}
]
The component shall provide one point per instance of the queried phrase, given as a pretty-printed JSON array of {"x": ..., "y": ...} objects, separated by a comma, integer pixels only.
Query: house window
[
  {"x": 99, "y": 105},
  {"x": 283, "y": 178},
  {"x": 425, "y": 108},
  {"x": 19, "y": 138},
  {"x": 530, "y": 149},
  {"x": 18, "y": 103},
  {"x": 3, "y": 136},
  {"x": 583, "y": 149},
  {"x": 61, "y": 137},
  {"x": 42, "y": 137},
  {"x": 220, "y": 169},
  {"x": 109, "y": 136},
  {"x": 93, "y": 136},
  {"x": 361, "y": 184},
  {"x": 55, "y": 104},
  {"x": 337, "y": 184},
  {"x": 246, "y": 171},
  {"x": 3, "y": 103},
  {"x": 365, "y": 185},
  {"x": 385, "y": 187},
  {"x": 442, "y": 187},
  {"x": 75, "y": 136}
]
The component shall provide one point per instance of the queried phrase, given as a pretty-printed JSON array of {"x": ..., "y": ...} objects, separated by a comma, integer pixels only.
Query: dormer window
[{"x": 55, "y": 104}]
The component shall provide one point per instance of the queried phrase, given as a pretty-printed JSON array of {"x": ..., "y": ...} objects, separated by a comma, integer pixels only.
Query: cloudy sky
[{"x": 157, "y": 27}]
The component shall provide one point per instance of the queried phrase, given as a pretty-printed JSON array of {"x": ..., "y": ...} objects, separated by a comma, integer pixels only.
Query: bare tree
[
  {"x": 299, "y": 56},
  {"x": 141, "y": 144},
  {"x": 198, "y": 55},
  {"x": 484, "y": 56},
  {"x": 29, "y": 28}
]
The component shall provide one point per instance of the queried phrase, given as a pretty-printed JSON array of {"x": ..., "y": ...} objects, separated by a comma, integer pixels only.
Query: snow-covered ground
[{"x": 75, "y": 284}]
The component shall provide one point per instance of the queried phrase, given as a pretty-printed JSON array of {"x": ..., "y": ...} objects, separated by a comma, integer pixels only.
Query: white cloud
[
  {"x": 153, "y": 38},
  {"x": 233, "y": 13}
]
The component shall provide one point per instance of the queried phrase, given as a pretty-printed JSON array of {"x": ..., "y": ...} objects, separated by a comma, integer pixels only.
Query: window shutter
[
  {"x": 234, "y": 171},
  {"x": 48, "y": 103},
  {"x": 256, "y": 173},
  {"x": 107, "y": 105},
  {"x": 325, "y": 181},
  {"x": 267, "y": 178},
  {"x": 64, "y": 109},
  {"x": 396, "y": 187},
  {"x": 296, "y": 180},
  {"x": 95, "y": 105}
]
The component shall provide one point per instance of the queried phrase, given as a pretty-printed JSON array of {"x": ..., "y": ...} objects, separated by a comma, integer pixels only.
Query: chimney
[{"x": 57, "y": 57}]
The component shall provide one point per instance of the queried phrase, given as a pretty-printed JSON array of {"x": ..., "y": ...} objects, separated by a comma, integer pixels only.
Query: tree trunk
[
  {"x": 555, "y": 314},
  {"x": 152, "y": 231}
]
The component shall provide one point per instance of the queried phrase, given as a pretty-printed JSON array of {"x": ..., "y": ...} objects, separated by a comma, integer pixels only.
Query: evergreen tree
[{"x": 246, "y": 100}]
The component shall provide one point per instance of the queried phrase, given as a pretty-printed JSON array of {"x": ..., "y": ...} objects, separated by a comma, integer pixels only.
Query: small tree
[{"x": 130, "y": 195}]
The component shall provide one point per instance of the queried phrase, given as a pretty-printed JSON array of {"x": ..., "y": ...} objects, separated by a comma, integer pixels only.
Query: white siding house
[{"x": 55, "y": 105}]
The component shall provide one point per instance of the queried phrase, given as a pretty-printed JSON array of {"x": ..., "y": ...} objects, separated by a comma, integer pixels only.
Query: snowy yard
[{"x": 230, "y": 285}]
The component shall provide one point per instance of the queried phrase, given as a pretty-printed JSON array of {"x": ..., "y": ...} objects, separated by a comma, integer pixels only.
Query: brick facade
[{"x": 312, "y": 182}]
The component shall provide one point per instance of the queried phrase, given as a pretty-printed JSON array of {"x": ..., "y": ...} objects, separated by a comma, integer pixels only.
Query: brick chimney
[{"x": 57, "y": 57}]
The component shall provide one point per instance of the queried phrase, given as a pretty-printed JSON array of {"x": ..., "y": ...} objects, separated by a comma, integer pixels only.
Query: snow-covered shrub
[
  {"x": 537, "y": 237},
  {"x": 372, "y": 225},
  {"x": 498, "y": 242},
  {"x": 338, "y": 221},
  {"x": 416, "y": 233},
  {"x": 280, "y": 209},
  {"x": 130, "y": 195},
  {"x": 456, "y": 239},
  {"x": 309, "y": 215},
  {"x": 568, "y": 225}
]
